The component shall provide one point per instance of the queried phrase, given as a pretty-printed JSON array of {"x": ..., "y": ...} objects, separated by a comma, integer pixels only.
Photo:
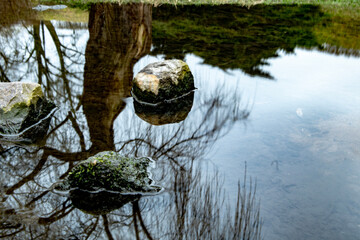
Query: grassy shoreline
[
  {"x": 83, "y": 4},
  {"x": 349, "y": 9},
  {"x": 345, "y": 14}
]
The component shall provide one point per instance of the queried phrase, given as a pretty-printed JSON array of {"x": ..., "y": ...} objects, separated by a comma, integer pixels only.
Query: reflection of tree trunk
[
  {"x": 13, "y": 10},
  {"x": 119, "y": 36}
]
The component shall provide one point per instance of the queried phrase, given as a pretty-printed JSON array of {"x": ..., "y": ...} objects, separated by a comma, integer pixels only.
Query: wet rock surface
[
  {"x": 110, "y": 171},
  {"x": 18, "y": 93},
  {"x": 162, "y": 81},
  {"x": 24, "y": 112}
]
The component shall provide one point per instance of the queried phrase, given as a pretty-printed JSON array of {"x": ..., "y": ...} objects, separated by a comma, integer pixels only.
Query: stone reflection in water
[
  {"x": 119, "y": 36},
  {"x": 173, "y": 111},
  {"x": 99, "y": 203},
  {"x": 192, "y": 204}
]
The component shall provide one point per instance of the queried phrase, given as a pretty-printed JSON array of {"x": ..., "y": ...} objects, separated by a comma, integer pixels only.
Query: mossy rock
[
  {"x": 24, "y": 112},
  {"x": 110, "y": 171},
  {"x": 19, "y": 93},
  {"x": 162, "y": 81}
]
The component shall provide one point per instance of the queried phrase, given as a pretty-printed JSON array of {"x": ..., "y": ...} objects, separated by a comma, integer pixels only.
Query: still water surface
[{"x": 275, "y": 99}]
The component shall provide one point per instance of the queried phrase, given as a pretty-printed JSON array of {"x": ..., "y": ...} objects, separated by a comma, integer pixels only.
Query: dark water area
[{"x": 266, "y": 147}]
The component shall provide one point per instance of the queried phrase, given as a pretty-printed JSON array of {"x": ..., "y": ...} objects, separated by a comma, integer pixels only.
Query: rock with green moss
[
  {"x": 162, "y": 81},
  {"x": 23, "y": 110},
  {"x": 110, "y": 171}
]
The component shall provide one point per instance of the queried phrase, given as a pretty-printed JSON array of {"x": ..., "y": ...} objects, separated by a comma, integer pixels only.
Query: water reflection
[
  {"x": 193, "y": 207},
  {"x": 233, "y": 37},
  {"x": 99, "y": 203},
  {"x": 167, "y": 112},
  {"x": 92, "y": 118},
  {"x": 88, "y": 74},
  {"x": 119, "y": 36},
  {"x": 13, "y": 11}
]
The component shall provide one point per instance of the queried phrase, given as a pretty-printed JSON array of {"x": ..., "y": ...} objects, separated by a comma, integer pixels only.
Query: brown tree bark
[
  {"x": 12, "y": 11},
  {"x": 119, "y": 36}
]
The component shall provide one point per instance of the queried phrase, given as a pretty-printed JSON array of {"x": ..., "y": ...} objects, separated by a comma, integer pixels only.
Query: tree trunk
[{"x": 119, "y": 36}]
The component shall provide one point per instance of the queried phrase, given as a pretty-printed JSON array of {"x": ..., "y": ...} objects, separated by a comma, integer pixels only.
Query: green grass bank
[{"x": 85, "y": 3}]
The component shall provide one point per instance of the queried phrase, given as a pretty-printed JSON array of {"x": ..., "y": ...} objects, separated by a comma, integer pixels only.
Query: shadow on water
[{"x": 193, "y": 204}]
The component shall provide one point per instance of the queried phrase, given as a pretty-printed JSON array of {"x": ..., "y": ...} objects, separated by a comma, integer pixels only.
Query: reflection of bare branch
[
  {"x": 193, "y": 203},
  {"x": 29, "y": 177},
  {"x": 12, "y": 234},
  {"x": 56, "y": 215},
  {"x": 55, "y": 128},
  {"x": 135, "y": 224},
  {"x": 246, "y": 220},
  {"x": 78, "y": 131},
  {"x": 136, "y": 210},
  {"x": 188, "y": 140},
  {"x": 106, "y": 226},
  {"x": 92, "y": 229},
  {"x": 63, "y": 70},
  {"x": 196, "y": 209},
  {"x": 4, "y": 78},
  {"x": 68, "y": 156},
  {"x": 39, "y": 52}
]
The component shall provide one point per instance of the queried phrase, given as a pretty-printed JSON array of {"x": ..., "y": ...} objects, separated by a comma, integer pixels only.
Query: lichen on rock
[
  {"x": 18, "y": 93},
  {"x": 162, "y": 81},
  {"x": 110, "y": 171},
  {"x": 24, "y": 112}
]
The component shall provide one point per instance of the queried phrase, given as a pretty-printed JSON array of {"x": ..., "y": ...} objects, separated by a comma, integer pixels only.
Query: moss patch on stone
[
  {"x": 111, "y": 171},
  {"x": 19, "y": 94},
  {"x": 173, "y": 79}
]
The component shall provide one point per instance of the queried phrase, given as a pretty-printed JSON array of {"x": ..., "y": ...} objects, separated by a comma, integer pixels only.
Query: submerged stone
[
  {"x": 111, "y": 171},
  {"x": 173, "y": 111},
  {"x": 162, "y": 81},
  {"x": 24, "y": 112}
]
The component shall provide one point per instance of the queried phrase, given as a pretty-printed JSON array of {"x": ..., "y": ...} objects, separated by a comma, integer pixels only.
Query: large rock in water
[
  {"x": 24, "y": 112},
  {"x": 111, "y": 171},
  {"x": 17, "y": 94},
  {"x": 162, "y": 81}
]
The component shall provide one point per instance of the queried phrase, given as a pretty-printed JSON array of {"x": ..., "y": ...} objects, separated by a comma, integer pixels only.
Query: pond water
[{"x": 267, "y": 147}]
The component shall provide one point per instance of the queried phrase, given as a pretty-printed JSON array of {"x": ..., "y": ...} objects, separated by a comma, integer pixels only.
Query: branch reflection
[{"x": 92, "y": 90}]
